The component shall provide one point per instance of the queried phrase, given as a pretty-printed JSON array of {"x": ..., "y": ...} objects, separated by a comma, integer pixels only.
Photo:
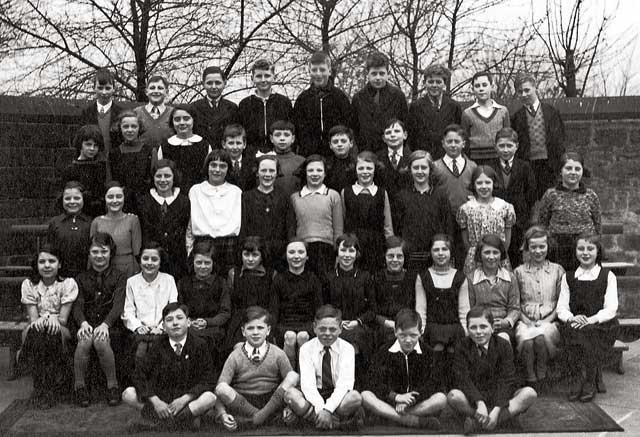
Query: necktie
[
  {"x": 255, "y": 356},
  {"x": 507, "y": 167},
  {"x": 178, "y": 349},
  {"x": 155, "y": 112},
  {"x": 530, "y": 109},
  {"x": 327, "y": 377},
  {"x": 236, "y": 166},
  {"x": 454, "y": 168},
  {"x": 376, "y": 97},
  {"x": 102, "y": 111},
  {"x": 395, "y": 159},
  {"x": 482, "y": 351}
]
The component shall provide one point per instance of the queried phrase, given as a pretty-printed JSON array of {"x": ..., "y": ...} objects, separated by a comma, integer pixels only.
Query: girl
[
  {"x": 216, "y": 210},
  {"x": 207, "y": 295},
  {"x": 316, "y": 215},
  {"x": 442, "y": 300},
  {"x": 123, "y": 227},
  {"x": 394, "y": 289},
  {"x": 367, "y": 212},
  {"x": 350, "y": 290},
  {"x": 297, "y": 293},
  {"x": 265, "y": 210},
  {"x": 185, "y": 148},
  {"x": 494, "y": 287},
  {"x": 47, "y": 298},
  {"x": 164, "y": 217},
  {"x": 69, "y": 232},
  {"x": 147, "y": 293},
  {"x": 568, "y": 210},
  {"x": 539, "y": 281},
  {"x": 250, "y": 284},
  {"x": 131, "y": 160},
  {"x": 587, "y": 307},
  {"x": 421, "y": 211},
  {"x": 101, "y": 291},
  {"x": 89, "y": 168},
  {"x": 483, "y": 215}
]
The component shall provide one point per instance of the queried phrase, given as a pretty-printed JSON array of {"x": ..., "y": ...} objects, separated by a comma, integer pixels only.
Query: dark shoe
[
  {"x": 588, "y": 392},
  {"x": 471, "y": 426},
  {"x": 113, "y": 396},
  {"x": 600, "y": 382},
  {"x": 575, "y": 391},
  {"x": 82, "y": 397}
]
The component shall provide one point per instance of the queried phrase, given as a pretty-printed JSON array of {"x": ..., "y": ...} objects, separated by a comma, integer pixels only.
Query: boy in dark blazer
[
  {"x": 541, "y": 133},
  {"x": 174, "y": 382},
  {"x": 395, "y": 159},
  {"x": 516, "y": 185},
  {"x": 242, "y": 172},
  {"x": 485, "y": 377}
]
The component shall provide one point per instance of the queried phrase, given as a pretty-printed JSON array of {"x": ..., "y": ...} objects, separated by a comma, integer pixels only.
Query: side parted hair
[
  {"x": 408, "y": 318},
  {"x": 535, "y": 231},
  {"x": 507, "y": 133},
  {"x": 378, "y": 166},
  {"x": 167, "y": 163},
  {"x": 114, "y": 184},
  {"x": 492, "y": 240},
  {"x": 479, "y": 171},
  {"x": 216, "y": 155},
  {"x": 438, "y": 70},
  {"x": 153, "y": 245},
  {"x": 104, "y": 239},
  {"x": 35, "y": 277},
  {"x": 234, "y": 130},
  {"x": 282, "y": 125},
  {"x": 393, "y": 121},
  {"x": 480, "y": 311},
  {"x": 174, "y": 306},
  {"x": 158, "y": 78},
  {"x": 254, "y": 243},
  {"x": 213, "y": 69},
  {"x": 179, "y": 107},
  {"x": 574, "y": 156},
  {"x": 480, "y": 74},
  {"x": 104, "y": 77},
  {"x": 593, "y": 239},
  {"x": 70, "y": 185},
  {"x": 262, "y": 64},
  {"x": 320, "y": 57},
  {"x": 349, "y": 240},
  {"x": 255, "y": 312},
  {"x": 328, "y": 311},
  {"x": 445, "y": 238},
  {"x": 422, "y": 154},
  {"x": 456, "y": 128},
  {"x": 523, "y": 78},
  {"x": 86, "y": 133},
  {"x": 393, "y": 242},
  {"x": 301, "y": 172},
  {"x": 377, "y": 60},
  {"x": 341, "y": 130}
]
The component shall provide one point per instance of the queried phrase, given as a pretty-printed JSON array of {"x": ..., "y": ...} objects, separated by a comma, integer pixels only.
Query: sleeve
[
  {"x": 355, "y": 119},
  {"x": 188, "y": 237},
  {"x": 421, "y": 302},
  {"x": 596, "y": 213},
  {"x": 308, "y": 379},
  {"x": 129, "y": 318},
  {"x": 610, "y": 307},
  {"x": 509, "y": 216},
  {"x": 564, "y": 312},
  {"x": 465, "y": 123},
  {"x": 224, "y": 314},
  {"x": 136, "y": 235},
  {"x": 274, "y": 300},
  {"x": 506, "y": 121},
  {"x": 68, "y": 291},
  {"x": 118, "y": 301},
  {"x": 505, "y": 375},
  {"x": 388, "y": 221},
  {"x": 94, "y": 227},
  {"x": 461, "y": 217},
  {"x": 173, "y": 289},
  {"x": 544, "y": 211},
  {"x": 530, "y": 189},
  {"x": 463, "y": 304},
  {"x": 398, "y": 213},
  {"x": 228, "y": 370},
  {"x": 284, "y": 365},
  {"x": 513, "y": 301},
  {"x": 446, "y": 215},
  {"x": 292, "y": 224},
  {"x": 457, "y": 113},
  {"x": 337, "y": 217},
  {"x": 345, "y": 380},
  {"x": 244, "y": 216},
  {"x": 462, "y": 371},
  {"x": 78, "y": 306},
  {"x": 345, "y": 108},
  {"x": 28, "y": 294},
  {"x": 472, "y": 292}
]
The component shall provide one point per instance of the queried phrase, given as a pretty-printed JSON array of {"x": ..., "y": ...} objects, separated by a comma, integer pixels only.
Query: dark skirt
[
  {"x": 446, "y": 335},
  {"x": 594, "y": 341},
  {"x": 562, "y": 251}
]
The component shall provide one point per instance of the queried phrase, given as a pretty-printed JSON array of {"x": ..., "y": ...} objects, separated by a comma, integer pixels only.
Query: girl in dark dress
[
  {"x": 69, "y": 232},
  {"x": 251, "y": 285},
  {"x": 587, "y": 306},
  {"x": 164, "y": 217}
]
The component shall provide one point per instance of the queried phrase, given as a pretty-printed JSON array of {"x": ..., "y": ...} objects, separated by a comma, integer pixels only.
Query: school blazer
[
  {"x": 554, "y": 132},
  {"x": 520, "y": 192},
  {"x": 89, "y": 115},
  {"x": 393, "y": 180},
  {"x": 426, "y": 124}
]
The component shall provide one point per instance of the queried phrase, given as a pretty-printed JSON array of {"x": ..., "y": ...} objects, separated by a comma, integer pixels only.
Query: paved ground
[{"x": 622, "y": 402}]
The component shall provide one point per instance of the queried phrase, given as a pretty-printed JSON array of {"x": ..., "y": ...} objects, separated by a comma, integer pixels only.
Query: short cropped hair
[
  {"x": 408, "y": 318},
  {"x": 254, "y": 243},
  {"x": 69, "y": 186},
  {"x": 437, "y": 70},
  {"x": 483, "y": 170},
  {"x": 445, "y": 238},
  {"x": 104, "y": 239},
  {"x": 377, "y": 60},
  {"x": 158, "y": 78},
  {"x": 480, "y": 311},
  {"x": 328, "y": 311},
  {"x": 153, "y": 245},
  {"x": 168, "y": 163},
  {"x": 482, "y": 74},
  {"x": 104, "y": 77},
  {"x": 341, "y": 130},
  {"x": 179, "y": 107},
  {"x": 457, "y": 129},
  {"x": 233, "y": 130},
  {"x": 593, "y": 239},
  {"x": 349, "y": 240},
  {"x": 535, "y": 231},
  {"x": 523, "y": 78},
  {"x": 268, "y": 157},
  {"x": 507, "y": 133},
  {"x": 204, "y": 247},
  {"x": 393, "y": 121},
  {"x": 174, "y": 306},
  {"x": 262, "y": 64},
  {"x": 302, "y": 170},
  {"x": 255, "y": 312},
  {"x": 320, "y": 57},
  {"x": 393, "y": 242},
  {"x": 213, "y": 69},
  {"x": 492, "y": 240},
  {"x": 216, "y": 155},
  {"x": 282, "y": 125},
  {"x": 88, "y": 132}
]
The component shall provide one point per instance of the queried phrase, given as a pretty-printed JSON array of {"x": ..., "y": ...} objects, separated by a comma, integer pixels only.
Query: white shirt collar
[
  {"x": 494, "y": 104},
  {"x": 264, "y": 99},
  {"x": 306, "y": 191},
  {"x": 395, "y": 347},
  {"x": 502, "y": 162},
  {"x": 398, "y": 151},
  {"x": 479, "y": 276},
  {"x": 590, "y": 274},
  {"x": 357, "y": 189},
  {"x": 460, "y": 162},
  {"x": 104, "y": 108},
  {"x": 161, "y": 107},
  {"x": 174, "y": 343},
  {"x": 213, "y": 103},
  {"x": 176, "y": 141},
  {"x": 161, "y": 200},
  {"x": 536, "y": 105},
  {"x": 262, "y": 350}
]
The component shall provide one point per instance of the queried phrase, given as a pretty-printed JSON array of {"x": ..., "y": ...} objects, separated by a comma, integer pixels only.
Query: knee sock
[
  {"x": 529, "y": 359},
  {"x": 275, "y": 404},
  {"x": 542, "y": 356},
  {"x": 80, "y": 364},
  {"x": 107, "y": 362},
  {"x": 242, "y": 407}
]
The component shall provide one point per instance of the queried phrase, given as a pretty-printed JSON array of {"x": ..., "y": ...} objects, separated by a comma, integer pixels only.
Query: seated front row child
[
  {"x": 173, "y": 383},
  {"x": 147, "y": 293},
  {"x": 405, "y": 389},
  {"x": 255, "y": 376},
  {"x": 485, "y": 377},
  {"x": 327, "y": 376}
]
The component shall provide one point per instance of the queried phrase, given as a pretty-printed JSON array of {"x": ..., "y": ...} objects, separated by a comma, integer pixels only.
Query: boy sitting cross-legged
[
  {"x": 403, "y": 386},
  {"x": 174, "y": 380},
  {"x": 327, "y": 375},
  {"x": 255, "y": 377}
]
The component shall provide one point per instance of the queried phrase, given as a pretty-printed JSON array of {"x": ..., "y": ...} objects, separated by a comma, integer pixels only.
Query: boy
[
  {"x": 379, "y": 100},
  {"x": 154, "y": 116},
  {"x": 174, "y": 381},
  {"x": 242, "y": 171},
  {"x": 516, "y": 185},
  {"x": 327, "y": 375},
  {"x": 403, "y": 386},
  {"x": 429, "y": 115},
  {"x": 282, "y": 136},
  {"x": 319, "y": 108},
  {"x": 541, "y": 133},
  {"x": 485, "y": 377},
  {"x": 259, "y": 110},
  {"x": 103, "y": 111},
  {"x": 483, "y": 120},
  {"x": 255, "y": 377},
  {"x": 212, "y": 113},
  {"x": 395, "y": 159},
  {"x": 341, "y": 166}
]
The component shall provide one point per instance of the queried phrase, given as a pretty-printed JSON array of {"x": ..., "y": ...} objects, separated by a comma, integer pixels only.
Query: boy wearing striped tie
[{"x": 255, "y": 376}]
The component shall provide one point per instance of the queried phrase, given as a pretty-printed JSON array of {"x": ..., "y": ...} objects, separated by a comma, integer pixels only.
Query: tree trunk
[{"x": 570, "y": 74}]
